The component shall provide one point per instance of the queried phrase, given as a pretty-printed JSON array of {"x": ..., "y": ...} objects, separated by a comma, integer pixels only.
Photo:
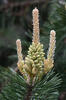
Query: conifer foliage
[
  {"x": 57, "y": 21},
  {"x": 37, "y": 80}
]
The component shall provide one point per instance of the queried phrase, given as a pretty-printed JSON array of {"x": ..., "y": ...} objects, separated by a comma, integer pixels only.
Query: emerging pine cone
[{"x": 35, "y": 64}]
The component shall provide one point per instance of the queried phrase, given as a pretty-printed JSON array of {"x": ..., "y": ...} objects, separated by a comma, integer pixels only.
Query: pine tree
[{"x": 37, "y": 80}]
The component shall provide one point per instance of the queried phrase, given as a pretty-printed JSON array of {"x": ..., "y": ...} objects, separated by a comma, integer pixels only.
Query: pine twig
[
  {"x": 24, "y": 3},
  {"x": 29, "y": 93}
]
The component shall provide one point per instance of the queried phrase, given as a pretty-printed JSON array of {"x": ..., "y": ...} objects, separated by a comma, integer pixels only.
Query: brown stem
[
  {"x": 29, "y": 93},
  {"x": 0, "y": 87}
]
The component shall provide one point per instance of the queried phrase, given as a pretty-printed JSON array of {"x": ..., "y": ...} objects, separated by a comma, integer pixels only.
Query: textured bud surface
[
  {"x": 35, "y": 64},
  {"x": 35, "y": 25}
]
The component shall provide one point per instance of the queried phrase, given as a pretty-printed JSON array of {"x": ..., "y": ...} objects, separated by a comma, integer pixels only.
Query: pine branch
[
  {"x": 24, "y": 3},
  {"x": 46, "y": 89},
  {"x": 29, "y": 93},
  {"x": 45, "y": 85}
]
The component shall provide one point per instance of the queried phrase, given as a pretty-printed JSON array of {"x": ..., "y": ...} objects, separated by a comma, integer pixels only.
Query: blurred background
[{"x": 16, "y": 22}]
